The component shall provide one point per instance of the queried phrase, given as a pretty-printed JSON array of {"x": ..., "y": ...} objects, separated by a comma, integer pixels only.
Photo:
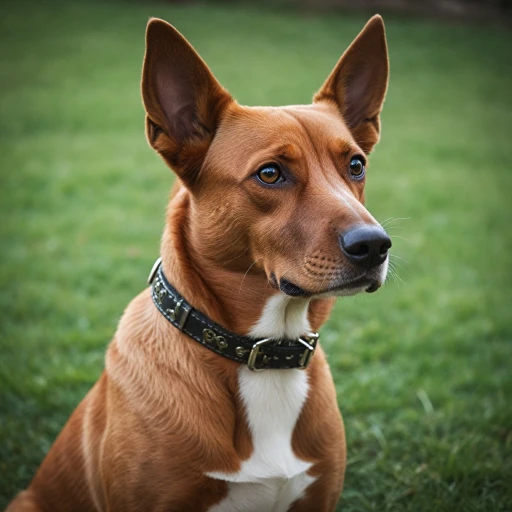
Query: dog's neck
[{"x": 243, "y": 302}]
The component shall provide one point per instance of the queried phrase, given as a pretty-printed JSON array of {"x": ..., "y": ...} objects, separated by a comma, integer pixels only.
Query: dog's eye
[
  {"x": 356, "y": 167},
  {"x": 270, "y": 174}
]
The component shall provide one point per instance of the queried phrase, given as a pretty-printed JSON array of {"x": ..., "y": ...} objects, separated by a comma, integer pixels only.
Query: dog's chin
[
  {"x": 349, "y": 290},
  {"x": 339, "y": 290},
  {"x": 369, "y": 282}
]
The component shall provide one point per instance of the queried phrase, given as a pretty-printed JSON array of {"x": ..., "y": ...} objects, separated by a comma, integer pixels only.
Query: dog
[{"x": 216, "y": 395}]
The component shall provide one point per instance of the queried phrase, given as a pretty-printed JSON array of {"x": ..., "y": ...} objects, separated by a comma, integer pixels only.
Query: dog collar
[{"x": 257, "y": 354}]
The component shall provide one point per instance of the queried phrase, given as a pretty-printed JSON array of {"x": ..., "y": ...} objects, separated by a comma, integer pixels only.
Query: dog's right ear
[{"x": 184, "y": 102}]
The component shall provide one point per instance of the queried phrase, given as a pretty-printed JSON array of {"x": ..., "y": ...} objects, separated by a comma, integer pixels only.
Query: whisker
[
  {"x": 399, "y": 257},
  {"x": 394, "y": 274},
  {"x": 236, "y": 257},
  {"x": 396, "y": 265},
  {"x": 383, "y": 223},
  {"x": 393, "y": 219},
  {"x": 401, "y": 238},
  {"x": 243, "y": 278},
  {"x": 292, "y": 268}
]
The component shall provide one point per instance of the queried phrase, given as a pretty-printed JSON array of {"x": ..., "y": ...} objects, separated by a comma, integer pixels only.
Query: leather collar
[{"x": 258, "y": 354}]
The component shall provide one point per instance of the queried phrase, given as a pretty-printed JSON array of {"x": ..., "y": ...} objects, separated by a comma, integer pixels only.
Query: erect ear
[
  {"x": 183, "y": 100},
  {"x": 358, "y": 83}
]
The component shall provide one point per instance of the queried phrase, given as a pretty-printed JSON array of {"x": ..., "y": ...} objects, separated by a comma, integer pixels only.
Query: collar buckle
[
  {"x": 251, "y": 362},
  {"x": 308, "y": 341},
  {"x": 154, "y": 270}
]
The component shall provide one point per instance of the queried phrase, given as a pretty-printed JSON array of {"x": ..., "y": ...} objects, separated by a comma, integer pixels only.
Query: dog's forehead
[{"x": 297, "y": 130}]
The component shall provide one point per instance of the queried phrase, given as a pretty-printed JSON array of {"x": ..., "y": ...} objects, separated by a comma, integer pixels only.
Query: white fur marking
[
  {"x": 273, "y": 477},
  {"x": 384, "y": 271},
  {"x": 283, "y": 317},
  {"x": 274, "y": 495}
]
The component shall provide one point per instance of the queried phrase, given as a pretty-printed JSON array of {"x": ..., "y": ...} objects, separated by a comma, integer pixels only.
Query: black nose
[{"x": 365, "y": 246}]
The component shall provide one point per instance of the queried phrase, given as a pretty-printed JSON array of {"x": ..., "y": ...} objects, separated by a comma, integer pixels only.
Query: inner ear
[
  {"x": 358, "y": 83},
  {"x": 183, "y": 100}
]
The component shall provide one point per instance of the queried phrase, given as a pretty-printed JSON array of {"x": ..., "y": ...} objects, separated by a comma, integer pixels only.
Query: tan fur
[{"x": 166, "y": 410}]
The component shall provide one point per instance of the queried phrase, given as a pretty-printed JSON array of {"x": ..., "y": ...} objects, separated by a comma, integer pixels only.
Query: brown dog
[{"x": 265, "y": 227}]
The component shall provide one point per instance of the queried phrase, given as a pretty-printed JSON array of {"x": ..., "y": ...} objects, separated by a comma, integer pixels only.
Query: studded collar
[{"x": 257, "y": 354}]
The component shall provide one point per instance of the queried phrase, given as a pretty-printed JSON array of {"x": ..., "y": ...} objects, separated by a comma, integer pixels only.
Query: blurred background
[{"x": 422, "y": 368}]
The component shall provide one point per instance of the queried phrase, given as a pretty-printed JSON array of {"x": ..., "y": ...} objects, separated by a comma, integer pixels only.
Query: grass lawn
[{"x": 422, "y": 368}]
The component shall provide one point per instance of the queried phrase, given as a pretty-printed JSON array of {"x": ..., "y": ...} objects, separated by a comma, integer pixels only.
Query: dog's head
[{"x": 279, "y": 188}]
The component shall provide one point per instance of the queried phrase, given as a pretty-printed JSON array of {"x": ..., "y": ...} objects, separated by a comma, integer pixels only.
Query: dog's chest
[{"x": 273, "y": 477}]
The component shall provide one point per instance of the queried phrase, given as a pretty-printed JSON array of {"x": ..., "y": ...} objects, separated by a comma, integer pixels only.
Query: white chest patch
[{"x": 273, "y": 477}]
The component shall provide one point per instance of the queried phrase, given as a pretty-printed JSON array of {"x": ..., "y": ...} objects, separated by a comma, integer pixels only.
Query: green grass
[{"x": 422, "y": 368}]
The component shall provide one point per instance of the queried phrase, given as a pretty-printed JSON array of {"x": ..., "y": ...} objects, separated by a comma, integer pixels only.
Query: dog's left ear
[{"x": 358, "y": 83}]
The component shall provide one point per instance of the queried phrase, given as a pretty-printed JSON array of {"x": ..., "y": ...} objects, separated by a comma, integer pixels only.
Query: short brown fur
[{"x": 166, "y": 410}]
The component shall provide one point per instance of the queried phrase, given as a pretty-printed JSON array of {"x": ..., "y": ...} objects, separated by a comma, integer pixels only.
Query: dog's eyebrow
[
  {"x": 289, "y": 152},
  {"x": 343, "y": 149}
]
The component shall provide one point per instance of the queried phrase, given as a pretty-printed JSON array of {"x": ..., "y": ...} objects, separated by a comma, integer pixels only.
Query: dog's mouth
[{"x": 366, "y": 283}]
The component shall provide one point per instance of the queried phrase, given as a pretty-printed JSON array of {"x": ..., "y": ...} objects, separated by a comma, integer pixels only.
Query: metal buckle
[
  {"x": 251, "y": 362},
  {"x": 309, "y": 341},
  {"x": 152, "y": 274}
]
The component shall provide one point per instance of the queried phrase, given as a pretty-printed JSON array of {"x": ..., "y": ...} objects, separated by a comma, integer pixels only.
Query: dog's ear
[
  {"x": 183, "y": 100},
  {"x": 358, "y": 83}
]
